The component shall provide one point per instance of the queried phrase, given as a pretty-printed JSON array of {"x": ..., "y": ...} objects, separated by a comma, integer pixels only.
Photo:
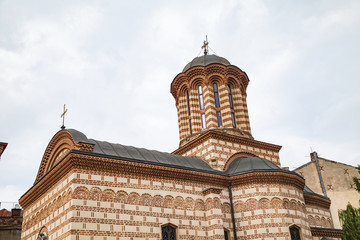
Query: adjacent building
[{"x": 334, "y": 180}]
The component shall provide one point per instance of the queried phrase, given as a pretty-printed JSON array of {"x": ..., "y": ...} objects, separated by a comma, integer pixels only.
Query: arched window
[
  {"x": 226, "y": 234},
  {"x": 294, "y": 233},
  {"x": 232, "y": 107},
  {"x": 217, "y": 104},
  {"x": 168, "y": 232},
  {"x": 189, "y": 112},
  {"x": 201, "y": 100}
]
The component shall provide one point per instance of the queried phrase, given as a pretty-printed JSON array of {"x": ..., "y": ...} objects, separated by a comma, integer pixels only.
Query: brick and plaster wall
[
  {"x": 266, "y": 211},
  {"x": 52, "y": 210},
  {"x": 130, "y": 207},
  {"x": 205, "y": 77},
  {"x": 219, "y": 152},
  {"x": 318, "y": 216}
]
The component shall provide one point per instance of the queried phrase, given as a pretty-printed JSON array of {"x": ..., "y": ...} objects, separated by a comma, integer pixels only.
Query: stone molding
[
  {"x": 216, "y": 134},
  {"x": 58, "y": 147},
  {"x": 317, "y": 201},
  {"x": 326, "y": 232},
  {"x": 76, "y": 159}
]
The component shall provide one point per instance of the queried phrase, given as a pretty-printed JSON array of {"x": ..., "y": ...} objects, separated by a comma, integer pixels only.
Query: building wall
[
  {"x": 338, "y": 182},
  {"x": 217, "y": 152},
  {"x": 268, "y": 210},
  {"x": 10, "y": 224},
  {"x": 52, "y": 210},
  {"x": 10, "y": 234},
  {"x": 129, "y": 206},
  {"x": 318, "y": 216}
]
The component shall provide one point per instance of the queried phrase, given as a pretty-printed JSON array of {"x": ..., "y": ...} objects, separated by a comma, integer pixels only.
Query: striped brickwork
[
  {"x": 318, "y": 216},
  {"x": 206, "y": 77},
  {"x": 133, "y": 207},
  {"x": 183, "y": 119},
  {"x": 53, "y": 210},
  {"x": 266, "y": 211},
  {"x": 112, "y": 200},
  {"x": 220, "y": 152}
]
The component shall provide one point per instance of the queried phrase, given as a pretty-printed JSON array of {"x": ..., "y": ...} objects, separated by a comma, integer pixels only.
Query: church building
[{"x": 220, "y": 183}]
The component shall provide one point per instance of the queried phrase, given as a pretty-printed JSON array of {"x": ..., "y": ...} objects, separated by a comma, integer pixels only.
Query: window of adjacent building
[
  {"x": 201, "y": 99},
  {"x": 217, "y": 104},
  {"x": 294, "y": 233},
  {"x": 189, "y": 110},
  {"x": 233, "y": 119},
  {"x": 168, "y": 232}
]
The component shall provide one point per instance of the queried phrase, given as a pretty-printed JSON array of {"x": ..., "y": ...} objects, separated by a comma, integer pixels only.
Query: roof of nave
[
  {"x": 241, "y": 165},
  {"x": 142, "y": 154},
  {"x": 206, "y": 60}
]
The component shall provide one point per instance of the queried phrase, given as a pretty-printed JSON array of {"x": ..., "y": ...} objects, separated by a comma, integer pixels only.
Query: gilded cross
[
  {"x": 205, "y": 46},
  {"x": 63, "y": 117}
]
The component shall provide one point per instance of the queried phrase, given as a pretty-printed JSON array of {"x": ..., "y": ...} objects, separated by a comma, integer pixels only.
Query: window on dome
[
  {"x": 203, "y": 121},
  {"x": 189, "y": 111},
  {"x": 230, "y": 98},
  {"x": 218, "y": 115},
  {"x": 233, "y": 119},
  {"x": 168, "y": 232},
  {"x": 217, "y": 104},
  {"x": 294, "y": 232},
  {"x": 201, "y": 99},
  {"x": 216, "y": 95}
]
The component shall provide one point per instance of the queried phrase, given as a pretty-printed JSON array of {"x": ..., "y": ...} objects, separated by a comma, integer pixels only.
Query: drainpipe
[
  {"x": 232, "y": 211},
  {"x": 315, "y": 157}
]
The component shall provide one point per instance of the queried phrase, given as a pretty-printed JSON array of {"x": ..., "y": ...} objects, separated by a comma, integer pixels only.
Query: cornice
[
  {"x": 62, "y": 142},
  {"x": 77, "y": 159},
  {"x": 209, "y": 70},
  {"x": 311, "y": 199},
  {"x": 215, "y": 134},
  {"x": 275, "y": 177},
  {"x": 61, "y": 169},
  {"x": 326, "y": 232}
]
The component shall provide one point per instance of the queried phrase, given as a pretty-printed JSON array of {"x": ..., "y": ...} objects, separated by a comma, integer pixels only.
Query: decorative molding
[
  {"x": 326, "y": 232},
  {"x": 59, "y": 145},
  {"x": 316, "y": 201},
  {"x": 215, "y": 134}
]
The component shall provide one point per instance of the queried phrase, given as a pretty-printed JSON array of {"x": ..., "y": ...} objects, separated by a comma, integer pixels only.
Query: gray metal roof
[
  {"x": 311, "y": 192},
  {"x": 239, "y": 166},
  {"x": 142, "y": 154},
  {"x": 206, "y": 60},
  {"x": 251, "y": 164}
]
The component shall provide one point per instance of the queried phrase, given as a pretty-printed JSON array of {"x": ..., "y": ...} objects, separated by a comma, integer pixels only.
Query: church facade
[{"x": 220, "y": 183}]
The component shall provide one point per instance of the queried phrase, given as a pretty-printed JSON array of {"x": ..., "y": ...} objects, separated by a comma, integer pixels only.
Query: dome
[
  {"x": 206, "y": 60},
  {"x": 251, "y": 164}
]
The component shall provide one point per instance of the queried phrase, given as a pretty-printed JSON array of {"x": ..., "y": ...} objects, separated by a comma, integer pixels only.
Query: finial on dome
[{"x": 205, "y": 46}]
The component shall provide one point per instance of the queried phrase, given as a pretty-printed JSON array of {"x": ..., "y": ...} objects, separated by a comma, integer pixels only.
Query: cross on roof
[
  {"x": 205, "y": 46},
  {"x": 63, "y": 117}
]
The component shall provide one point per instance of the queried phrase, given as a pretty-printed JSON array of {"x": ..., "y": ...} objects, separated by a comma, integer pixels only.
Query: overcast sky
[{"x": 112, "y": 62}]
